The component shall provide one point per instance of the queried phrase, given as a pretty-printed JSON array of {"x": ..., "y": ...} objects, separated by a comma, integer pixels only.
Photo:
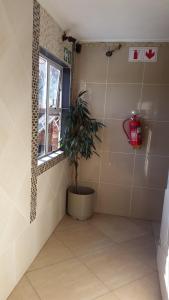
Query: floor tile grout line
[
  {"x": 36, "y": 292},
  {"x": 74, "y": 257},
  {"x": 100, "y": 280},
  {"x": 78, "y": 258},
  {"x": 113, "y": 290},
  {"x": 138, "y": 279},
  {"x": 116, "y": 244},
  {"x": 107, "y": 294},
  {"x": 50, "y": 265}
]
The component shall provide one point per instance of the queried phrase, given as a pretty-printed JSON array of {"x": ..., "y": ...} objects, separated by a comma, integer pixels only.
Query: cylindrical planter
[{"x": 81, "y": 204}]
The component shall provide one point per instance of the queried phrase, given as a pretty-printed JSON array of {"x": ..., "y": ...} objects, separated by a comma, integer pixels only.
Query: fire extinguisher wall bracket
[{"x": 134, "y": 132}]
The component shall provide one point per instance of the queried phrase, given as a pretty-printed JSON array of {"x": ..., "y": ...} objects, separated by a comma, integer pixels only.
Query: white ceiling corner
[{"x": 112, "y": 20}]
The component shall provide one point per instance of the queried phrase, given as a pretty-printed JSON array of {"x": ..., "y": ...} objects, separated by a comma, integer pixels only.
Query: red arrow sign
[{"x": 150, "y": 54}]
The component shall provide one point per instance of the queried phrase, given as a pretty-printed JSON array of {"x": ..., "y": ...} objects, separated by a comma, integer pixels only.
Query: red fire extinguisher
[{"x": 134, "y": 132}]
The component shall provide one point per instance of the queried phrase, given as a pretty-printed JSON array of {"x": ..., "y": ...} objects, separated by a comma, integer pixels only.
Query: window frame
[
  {"x": 47, "y": 109},
  {"x": 66, "y": 80}
]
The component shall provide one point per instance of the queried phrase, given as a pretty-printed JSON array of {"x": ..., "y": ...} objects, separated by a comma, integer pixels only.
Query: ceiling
[{"x": 112, "y": 20}]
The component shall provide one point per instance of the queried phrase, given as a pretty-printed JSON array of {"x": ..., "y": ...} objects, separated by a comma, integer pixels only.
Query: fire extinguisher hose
[{"x": 125, "y": 131}]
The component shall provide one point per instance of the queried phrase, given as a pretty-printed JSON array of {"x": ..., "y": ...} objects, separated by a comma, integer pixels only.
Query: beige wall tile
[
  {"x": 121, "y": 100},
  {"x": 124, "y": 93},
  {"x": 96, "y": 99},
  {"x": 146, "y": 137},
  {"x": 158, "y": 72},
  {"x": 155, "y": 102},
  {"x": 92, "y": 64},
  {"x": 77, "y": 87},
  {"x": 114, "y": 200},
  {"x": 151, "y": 171},
  {"x": 155, "y": 139},
  {"x": 89, "y": 170},
  {"x": 120, "y": 70},
  {"x": 147, "y": 203},
  {"x": 117, "y": 168},
  {"x": 159, "y": 142},
  {"x": 114, "y": 138}
]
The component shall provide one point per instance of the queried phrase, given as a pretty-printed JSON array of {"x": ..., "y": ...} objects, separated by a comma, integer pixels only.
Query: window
[{"x": 50, "y": 106}]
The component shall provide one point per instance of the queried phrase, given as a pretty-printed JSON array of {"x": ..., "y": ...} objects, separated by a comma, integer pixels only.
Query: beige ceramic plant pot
[{"x": 81, "y": 205}]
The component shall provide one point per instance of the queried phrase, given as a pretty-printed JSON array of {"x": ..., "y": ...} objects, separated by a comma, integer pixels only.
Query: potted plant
[{"x": 78, "y": 142}]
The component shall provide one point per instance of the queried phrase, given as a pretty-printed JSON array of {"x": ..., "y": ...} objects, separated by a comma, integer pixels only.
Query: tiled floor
[{"x": 105, "y": 258}]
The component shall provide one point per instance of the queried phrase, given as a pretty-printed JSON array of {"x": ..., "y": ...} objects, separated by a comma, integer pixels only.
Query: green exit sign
[{"x": 67, "y": 56}]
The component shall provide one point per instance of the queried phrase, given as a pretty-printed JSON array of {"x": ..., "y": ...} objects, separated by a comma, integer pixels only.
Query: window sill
[{"x": 49, "y": 161}]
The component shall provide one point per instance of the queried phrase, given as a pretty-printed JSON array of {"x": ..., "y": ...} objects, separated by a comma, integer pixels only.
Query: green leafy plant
[{"x": 78, "y": 140}]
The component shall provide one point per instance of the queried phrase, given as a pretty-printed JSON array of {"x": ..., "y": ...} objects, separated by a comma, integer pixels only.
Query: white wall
[
  {"x": 15, "y": 134},
  {"x": 21, "y": 241},
  {"x": 163, "y": 249}
]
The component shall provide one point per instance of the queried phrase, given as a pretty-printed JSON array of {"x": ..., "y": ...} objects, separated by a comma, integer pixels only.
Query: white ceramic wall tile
[
  {"x": 130, "y": 86},
  {"x": 120, "y": 70},
  {"x": 92, "y": 64},
  {"x": 158, "y": 73},
  {"x": 117, "y": 168},
  {"x": 155, "y": 102},
  {"x": 96, "y": 99},
  {"x": 121, "y": 100},
  {"x": 151, "y": 171},
  {"x": 114, "y": 200},
  {"x": 147, "y": 203},
  {"x": 89, "y": 169},
  {"x": 155, "y": 138},
  {"x": 114, "y": 139}
]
